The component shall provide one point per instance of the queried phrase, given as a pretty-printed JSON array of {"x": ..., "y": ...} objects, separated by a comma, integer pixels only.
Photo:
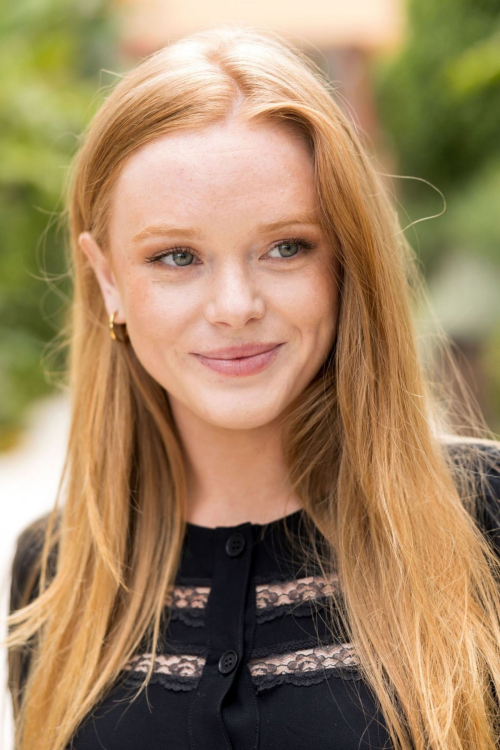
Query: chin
[{"x": 239, "y": 418}]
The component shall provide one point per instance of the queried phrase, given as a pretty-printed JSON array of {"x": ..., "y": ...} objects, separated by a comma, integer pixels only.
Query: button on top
[
  {"x": 235, "y": 544},
  {"x": 228, "y": 661}
]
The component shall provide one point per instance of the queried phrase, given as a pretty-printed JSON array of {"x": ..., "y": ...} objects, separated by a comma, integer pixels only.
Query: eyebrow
[{"x": 164, "y": 230}]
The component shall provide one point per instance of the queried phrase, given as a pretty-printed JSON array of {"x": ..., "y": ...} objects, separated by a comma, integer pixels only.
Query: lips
[
  {"x": 237, "y": 352},
  {"x": 238, "y": 366}
]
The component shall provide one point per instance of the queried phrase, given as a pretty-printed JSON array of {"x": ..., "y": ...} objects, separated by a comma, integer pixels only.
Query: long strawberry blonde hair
[{"x": 364, "y": 445}]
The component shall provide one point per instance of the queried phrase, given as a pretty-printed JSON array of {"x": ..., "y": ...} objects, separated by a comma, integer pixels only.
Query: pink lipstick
[{"x": 240, "y": 360}]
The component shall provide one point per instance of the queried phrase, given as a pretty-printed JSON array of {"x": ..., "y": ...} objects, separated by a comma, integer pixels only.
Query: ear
[{"x": 104, "y": 275}]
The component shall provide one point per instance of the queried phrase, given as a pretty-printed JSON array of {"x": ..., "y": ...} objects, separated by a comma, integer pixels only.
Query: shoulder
[
  {"x": 484, "y": 453},
  {"x": 25, "y": 575},
  {"x": 480, "y": 457},
  {"x": 481, "y": 460},
  {"x": 26, "y": 563}
]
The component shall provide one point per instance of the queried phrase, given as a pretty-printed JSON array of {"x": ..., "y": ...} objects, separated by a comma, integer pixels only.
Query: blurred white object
[{"x": 29, "y": 478}]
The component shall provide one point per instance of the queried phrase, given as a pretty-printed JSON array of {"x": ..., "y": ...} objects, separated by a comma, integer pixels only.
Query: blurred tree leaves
[
  {"x": 51, "y": 56},
  {"x": 439, "y": 101},
  {"x": 477, "y": 67}
]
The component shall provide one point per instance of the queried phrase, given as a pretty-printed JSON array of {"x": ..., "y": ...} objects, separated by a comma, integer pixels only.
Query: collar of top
[{"x": 267, "y": 543}]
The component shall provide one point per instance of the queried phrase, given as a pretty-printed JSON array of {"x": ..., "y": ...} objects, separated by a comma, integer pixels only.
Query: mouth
[
  {"x": 239, "y": 352},
  {"x": 237, "y": 366}
]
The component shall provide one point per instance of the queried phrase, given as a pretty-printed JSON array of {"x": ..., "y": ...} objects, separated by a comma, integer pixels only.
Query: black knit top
[{"x": 247, "y": 662}]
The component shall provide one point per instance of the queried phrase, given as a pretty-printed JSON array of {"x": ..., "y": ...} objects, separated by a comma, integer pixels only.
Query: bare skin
[{"x": 233, "y": 284}]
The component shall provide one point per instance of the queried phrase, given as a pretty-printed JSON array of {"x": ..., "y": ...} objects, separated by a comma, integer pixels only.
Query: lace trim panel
[
  {"x": 273, "y": 599},
  {"x": 188, "y": 603},
  {"x": 303, "y": 666},
  {"x": 173, "y": 671},
  {"x": 307, "y": 666}
]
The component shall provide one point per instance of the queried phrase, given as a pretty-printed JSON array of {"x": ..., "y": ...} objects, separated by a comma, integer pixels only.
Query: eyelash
[{"x": 304, "y": 244}]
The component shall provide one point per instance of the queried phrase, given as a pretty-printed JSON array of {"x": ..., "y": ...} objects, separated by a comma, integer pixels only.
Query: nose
[{"x": 234, "y": 297}]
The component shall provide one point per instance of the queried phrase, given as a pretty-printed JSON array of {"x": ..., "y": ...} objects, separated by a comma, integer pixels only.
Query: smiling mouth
[
  {"x": 242, "y": 365},
  {"x": 239, "y": 352}
]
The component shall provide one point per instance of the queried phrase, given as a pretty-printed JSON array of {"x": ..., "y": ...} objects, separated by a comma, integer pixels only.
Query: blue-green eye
[
  {"x": 183, "y": 256},
  {"x": 291, "y": 249}
]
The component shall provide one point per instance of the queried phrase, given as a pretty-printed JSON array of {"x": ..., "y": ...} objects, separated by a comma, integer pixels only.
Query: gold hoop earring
[{"x": 112, "y": 330}]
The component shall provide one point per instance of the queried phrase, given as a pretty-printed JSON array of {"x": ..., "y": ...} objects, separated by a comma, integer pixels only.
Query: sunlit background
[{"x": 421, "y": 82}]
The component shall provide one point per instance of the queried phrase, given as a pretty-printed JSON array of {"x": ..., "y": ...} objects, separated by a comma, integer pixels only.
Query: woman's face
[{"x": 214, "y": 243}]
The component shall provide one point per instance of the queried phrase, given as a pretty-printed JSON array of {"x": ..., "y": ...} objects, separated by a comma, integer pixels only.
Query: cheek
[
  {"x": 157, "y": 320},
  {"x": 313, "y": 305},
  {"x": 159, "y": 313}
]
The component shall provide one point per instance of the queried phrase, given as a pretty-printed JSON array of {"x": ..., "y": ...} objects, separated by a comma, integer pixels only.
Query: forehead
[{"x": 231, "y": 169}]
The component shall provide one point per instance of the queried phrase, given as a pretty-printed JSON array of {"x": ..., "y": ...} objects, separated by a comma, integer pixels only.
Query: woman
[{"x": 264, "y": 520}]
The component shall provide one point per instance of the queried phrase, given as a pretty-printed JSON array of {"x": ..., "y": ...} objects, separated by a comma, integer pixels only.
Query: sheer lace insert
[
  {"x": 307, "y": 665},
  {"x": 173, "y": 671},
  {"x": 272, "y": 598}
]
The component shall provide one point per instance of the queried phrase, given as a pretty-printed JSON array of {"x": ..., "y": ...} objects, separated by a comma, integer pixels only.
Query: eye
[
  {"x": 180, "y": 254},
  {"x": 291, "y": 248},
  {"x": 182, "y": 257}
]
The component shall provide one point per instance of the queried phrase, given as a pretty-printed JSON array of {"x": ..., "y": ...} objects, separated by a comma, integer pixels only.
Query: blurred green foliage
[
  {"x": 439, "y": 103},
  {"x": 51, "y": 56}
]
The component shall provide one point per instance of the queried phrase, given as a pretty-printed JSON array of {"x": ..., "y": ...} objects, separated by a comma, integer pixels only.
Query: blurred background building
[{"x": 419, "y": 79}]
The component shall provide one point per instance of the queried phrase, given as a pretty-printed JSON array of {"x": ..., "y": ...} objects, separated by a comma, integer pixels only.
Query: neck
[{"x": 234, "y": 476}]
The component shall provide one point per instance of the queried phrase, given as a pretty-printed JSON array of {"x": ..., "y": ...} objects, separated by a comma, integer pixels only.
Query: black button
[
  {"x": 235, "y": 544},
  {"x": 228, "y": 661}
]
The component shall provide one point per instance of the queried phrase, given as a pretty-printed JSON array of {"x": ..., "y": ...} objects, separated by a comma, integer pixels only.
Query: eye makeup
[{"x": 305, "y": 246}]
